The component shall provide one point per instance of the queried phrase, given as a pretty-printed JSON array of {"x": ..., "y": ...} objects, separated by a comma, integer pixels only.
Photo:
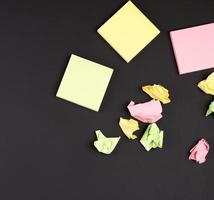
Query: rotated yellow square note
[
  {"x": 128, "y": 31},
  {"x": 84, "y": 82}
]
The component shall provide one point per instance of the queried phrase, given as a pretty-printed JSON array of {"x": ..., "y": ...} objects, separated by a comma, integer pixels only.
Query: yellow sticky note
[
  {"x": 128, "y": 127},
  {"x": 157, "y": 92},
  {"x": 128, "y": 31},
  {"x": 84, "y": 82},
  {"x": 207, "y": 85}
]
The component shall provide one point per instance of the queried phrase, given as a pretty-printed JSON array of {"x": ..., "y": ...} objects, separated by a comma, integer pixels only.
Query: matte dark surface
[{"x": 46, "y": 147}]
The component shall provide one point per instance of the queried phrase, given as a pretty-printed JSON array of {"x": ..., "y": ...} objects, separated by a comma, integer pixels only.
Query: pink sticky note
[
  {"x": 148, "y": 112},
  {"x": 194, "y": 48},
  {"x": 199, "y": 151}
]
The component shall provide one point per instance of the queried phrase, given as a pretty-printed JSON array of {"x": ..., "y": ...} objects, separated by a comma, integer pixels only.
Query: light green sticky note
[
  {"x": 84, "y": 82},
  {"x": 152, "y": 138},
  {"x": 105, "y": 144},
  {"x": 210, "y": 109}
]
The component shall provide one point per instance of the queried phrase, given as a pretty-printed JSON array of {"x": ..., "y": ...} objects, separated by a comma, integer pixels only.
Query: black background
[{"x": 46, "y": 144}]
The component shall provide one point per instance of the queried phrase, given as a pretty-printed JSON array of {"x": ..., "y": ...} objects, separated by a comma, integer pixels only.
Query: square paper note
[
  {"x": 128, "y": 31},
  {"x": 194, "y": 48},
  {"x": 84, "y": 82}
]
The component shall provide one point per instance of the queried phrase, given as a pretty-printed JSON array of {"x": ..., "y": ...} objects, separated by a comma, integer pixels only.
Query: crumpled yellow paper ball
[
  {"x": 207, "y": 85},
  {"x": 129, "y": 127},
  {"x": 157, "y": 92}
]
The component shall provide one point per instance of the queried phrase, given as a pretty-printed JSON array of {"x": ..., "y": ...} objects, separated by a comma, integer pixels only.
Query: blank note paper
[
  {"x": 194, "y": 48},
  {"x": 84, "y": 82},
  {"x": 128, "y": 31}
]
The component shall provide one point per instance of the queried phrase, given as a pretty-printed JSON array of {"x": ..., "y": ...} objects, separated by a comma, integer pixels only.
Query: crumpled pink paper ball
[
  {"x": 199, "y": 151},
  {"x": 149, "y": 112}
]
